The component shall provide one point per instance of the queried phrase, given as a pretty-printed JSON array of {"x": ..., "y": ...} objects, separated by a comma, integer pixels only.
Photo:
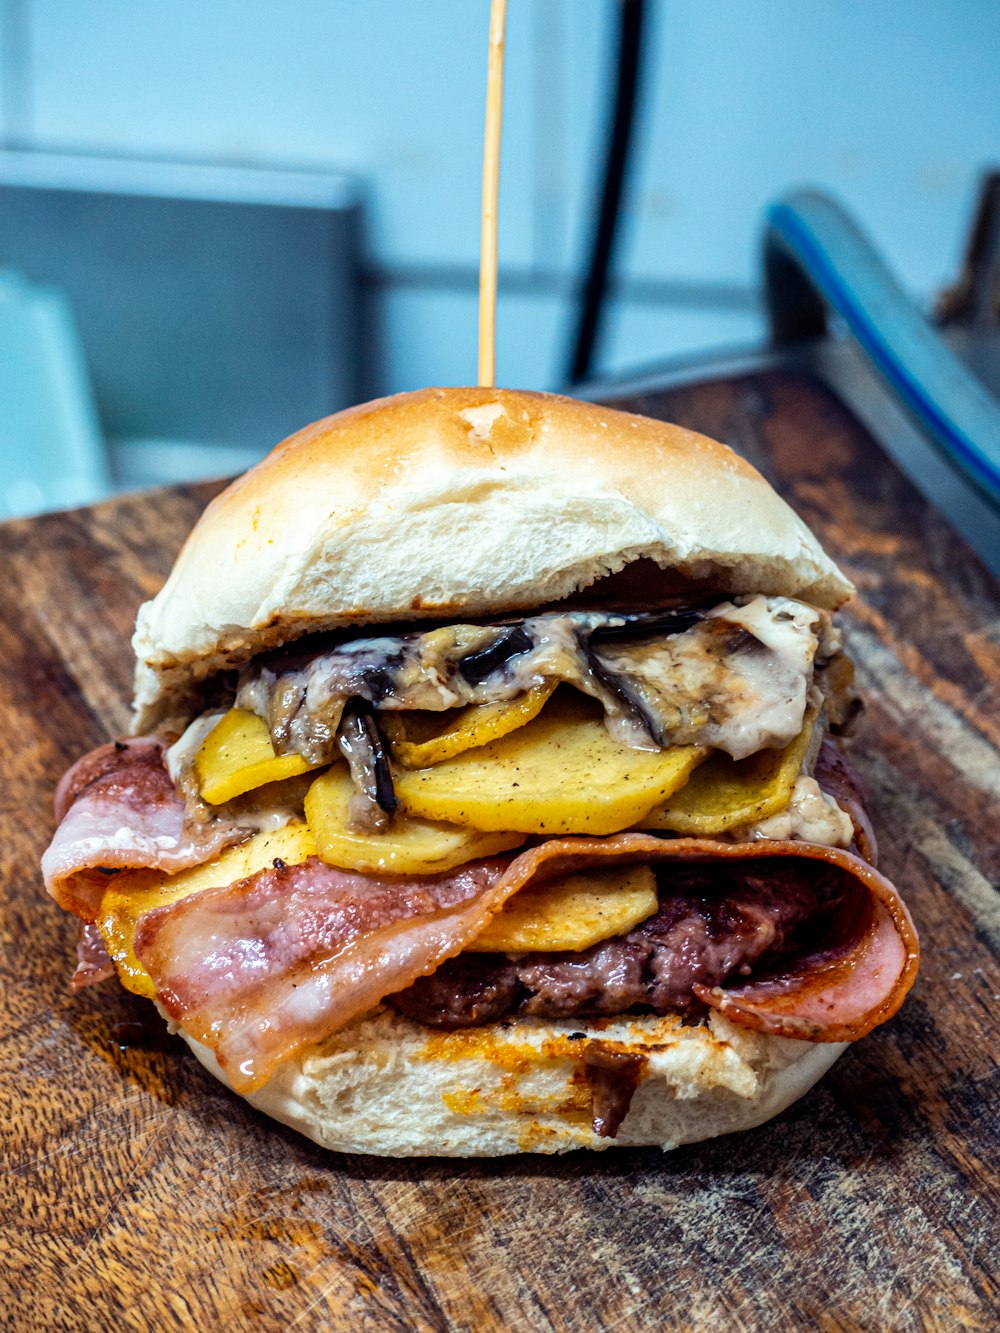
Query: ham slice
[
  {"x": 258, "y": 969},
  {"x": 118, "y": 809}
]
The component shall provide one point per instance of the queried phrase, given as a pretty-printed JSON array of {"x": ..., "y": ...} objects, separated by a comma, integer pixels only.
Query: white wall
[{"x": 894, "y": 105}]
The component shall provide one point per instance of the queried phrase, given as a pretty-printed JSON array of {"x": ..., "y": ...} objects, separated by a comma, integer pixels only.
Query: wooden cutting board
[{"x": 139, "y": 1195}]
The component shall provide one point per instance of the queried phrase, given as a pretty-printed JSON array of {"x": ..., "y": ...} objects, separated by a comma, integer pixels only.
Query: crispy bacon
[
  {"x": 118, "y": 809},
  {"x": 258, "y": 969}
]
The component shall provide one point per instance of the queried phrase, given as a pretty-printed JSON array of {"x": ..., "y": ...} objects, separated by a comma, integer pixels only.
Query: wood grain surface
[{"x": 139, "y": 1195}]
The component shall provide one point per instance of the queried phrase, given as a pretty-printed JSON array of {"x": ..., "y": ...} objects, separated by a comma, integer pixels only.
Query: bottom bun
[{"x": 388, "y": 1086}]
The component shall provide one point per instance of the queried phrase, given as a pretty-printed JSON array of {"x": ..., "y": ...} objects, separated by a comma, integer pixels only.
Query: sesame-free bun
[
  {"x": 460, "y": 502},
  {"x": 387, "y": 1086}
]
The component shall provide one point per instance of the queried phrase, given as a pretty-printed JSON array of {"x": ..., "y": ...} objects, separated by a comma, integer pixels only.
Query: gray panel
[{"x": 202, "y": 318}]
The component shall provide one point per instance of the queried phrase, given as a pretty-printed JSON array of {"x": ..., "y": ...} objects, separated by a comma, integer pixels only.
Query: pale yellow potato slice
[
  {"x": 132, "y": 892},
  {"x": 409, "y": 846},
  {"x": 571, "y": 913},
  {"x": 562, "y": 773},
  {"x": 419, "y": 739},
  {"x": 725, "y": 793},
  {"x": 237, "y": 756}
]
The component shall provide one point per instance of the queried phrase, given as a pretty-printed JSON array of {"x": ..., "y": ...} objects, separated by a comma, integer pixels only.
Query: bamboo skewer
[{"x": 491, "y": 194}]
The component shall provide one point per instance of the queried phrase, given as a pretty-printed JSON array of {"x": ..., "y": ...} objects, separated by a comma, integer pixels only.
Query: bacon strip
[
  {"x": 118, "y": 809},
  {"x": 258, "y": 969}
]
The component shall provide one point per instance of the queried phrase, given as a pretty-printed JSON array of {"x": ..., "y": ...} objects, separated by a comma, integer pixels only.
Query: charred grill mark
[{"x": 475, "y": 668}]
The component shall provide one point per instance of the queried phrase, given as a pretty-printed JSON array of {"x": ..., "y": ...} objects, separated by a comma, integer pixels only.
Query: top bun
[{"x": 452, "y": 503}]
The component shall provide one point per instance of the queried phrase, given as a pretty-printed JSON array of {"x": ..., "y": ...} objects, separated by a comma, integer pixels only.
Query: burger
[{"x": 486, "y": 789}]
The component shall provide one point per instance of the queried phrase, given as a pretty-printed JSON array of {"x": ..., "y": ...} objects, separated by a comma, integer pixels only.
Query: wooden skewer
[{"x": 491, "y": 195}]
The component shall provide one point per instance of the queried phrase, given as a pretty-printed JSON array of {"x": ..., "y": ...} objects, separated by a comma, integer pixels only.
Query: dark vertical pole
[{"x": 631, "y": 16}]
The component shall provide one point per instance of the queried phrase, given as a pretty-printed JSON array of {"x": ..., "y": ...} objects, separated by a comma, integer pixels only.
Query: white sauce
[
  {"x": 740, "y": 699},
  {"x": 810, "y": 816},
  {"x": 181, "y": 754},
  {"x": 774, "y": 687}
]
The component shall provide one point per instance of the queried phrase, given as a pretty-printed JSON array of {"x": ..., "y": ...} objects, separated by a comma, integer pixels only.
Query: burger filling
[
  {"x": 457, "y": 822},
  {"x": 709, "y": 926},
  {"x": 734, "y": 677}
]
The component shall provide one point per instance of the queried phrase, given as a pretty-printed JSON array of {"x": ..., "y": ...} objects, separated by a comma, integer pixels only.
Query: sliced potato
[
  {"x": 237, "y": 756},
  {"x": 408, "y": 847},
  {"x": 133, "y": 892},
  {"x": 562, "y": 773},
  {"x": 725, "y": 793},
  {"x": 571, "y": 913},
  {"x": 419, "y": 739}
]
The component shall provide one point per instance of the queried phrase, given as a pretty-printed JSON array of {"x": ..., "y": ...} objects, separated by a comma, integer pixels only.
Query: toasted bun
[
  {"x": 460, "y": 502},
  {"x": 386, "y": 1086}
]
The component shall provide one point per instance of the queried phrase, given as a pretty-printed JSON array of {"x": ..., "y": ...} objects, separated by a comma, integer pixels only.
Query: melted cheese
[
  {"x": 737, "y": 681},
  {"x": 735, "y": 677}
]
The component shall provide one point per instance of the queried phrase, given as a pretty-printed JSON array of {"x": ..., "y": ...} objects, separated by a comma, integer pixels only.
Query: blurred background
[{"x": 220, "y": 220}]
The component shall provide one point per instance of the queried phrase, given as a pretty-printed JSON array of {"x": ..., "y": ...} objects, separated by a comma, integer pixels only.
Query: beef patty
[{"x": 717, "y": 921}]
